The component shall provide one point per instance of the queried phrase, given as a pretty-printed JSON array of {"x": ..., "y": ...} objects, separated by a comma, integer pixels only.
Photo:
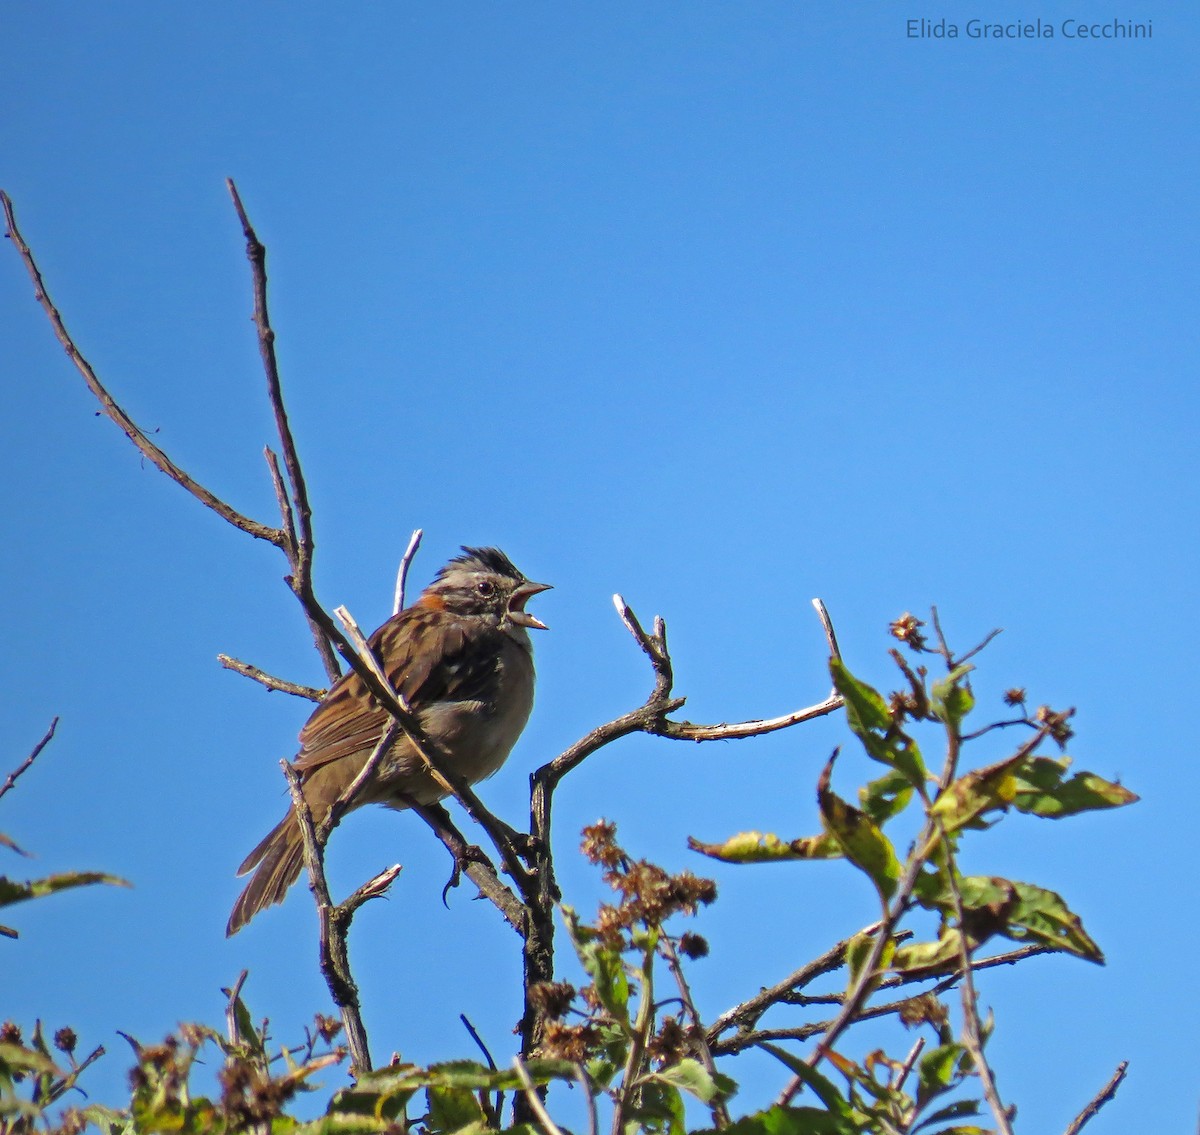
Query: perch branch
[{"x": 474, "y": 864}]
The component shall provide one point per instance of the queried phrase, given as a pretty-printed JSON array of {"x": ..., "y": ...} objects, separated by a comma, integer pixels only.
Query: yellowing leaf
[{"x": 764, "y": 847}]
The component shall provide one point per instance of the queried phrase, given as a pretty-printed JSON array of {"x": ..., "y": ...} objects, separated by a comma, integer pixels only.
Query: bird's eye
[{"x": 486, "y": 588}]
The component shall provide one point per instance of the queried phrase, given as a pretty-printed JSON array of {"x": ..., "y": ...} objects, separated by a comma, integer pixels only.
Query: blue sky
[{"x": 719, "y": 306}]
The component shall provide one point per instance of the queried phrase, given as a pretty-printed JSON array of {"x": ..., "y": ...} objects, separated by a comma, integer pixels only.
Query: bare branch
[
  {"x": 372, "y": 889},
  {"x": 257, "y": 255},
  {"x": 294, "y": 503},
  {"x": 746, "y": 1014},
  {"x": 827, "y": 624},
  {"x": 1102, "y": 1097},
  {"x": 414, "y": 542},
  {"x": 342, "y": 804},
  {"x": 332, "y": 931},
  {"x": 24, "y": 766},
  {"x": 272, "y": 683},
  {"x": 653, "y": 645},
  {"x": 287, "y": 515},
  {"x": 688, "y": 731},
  {"x": 905, "y": 1070},
  {"x": 976, "y": 649},
  {"x": 109, "y": 405}
]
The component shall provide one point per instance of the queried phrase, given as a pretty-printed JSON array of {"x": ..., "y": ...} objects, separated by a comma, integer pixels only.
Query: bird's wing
[{"x": 425, "y": 657}]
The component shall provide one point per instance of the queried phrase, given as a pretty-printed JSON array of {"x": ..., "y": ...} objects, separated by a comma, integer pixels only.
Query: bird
[{"x": 462, "y": 658}]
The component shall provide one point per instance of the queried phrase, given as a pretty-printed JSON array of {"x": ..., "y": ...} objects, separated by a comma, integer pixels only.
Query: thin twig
[
  {"x": 747, "y": 1014},
  {"x": 257, "y": 254},
  {"x": 272, "y": 683},
  {"x": 720, "y": 1112},
  {"x": 414, "y": 542},
  {"x": 344, "y": 801},
  {"x": 748, "y": 1037},
  {"x": 24, "y": 766},
  {"x": 109, "y": 405},
  {"x": 972, "y": 1031},
  {"x": 474, "y": 1035},
  {"x": 688, "y": 731},
  {"x": 1102, "y": 1097},
  {"x": 827, "y": 624},
  {"x": 373, "y": 888},
  {"x": 905, "y": 1070},
  {"x": 287, "y": 514},
  {"x": 976, "y": 649},
  {"x": 297, "y": 515},
  {"x": 589, "y": 1092},
  {"x": 534, "y": 1100}
]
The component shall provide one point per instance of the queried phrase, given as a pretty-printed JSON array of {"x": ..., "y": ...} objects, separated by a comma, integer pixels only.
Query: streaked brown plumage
[{"x": 461, "y": 657}]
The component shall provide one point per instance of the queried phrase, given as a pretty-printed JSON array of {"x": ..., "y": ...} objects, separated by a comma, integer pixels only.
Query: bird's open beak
[{"x": 516, "y": 605}]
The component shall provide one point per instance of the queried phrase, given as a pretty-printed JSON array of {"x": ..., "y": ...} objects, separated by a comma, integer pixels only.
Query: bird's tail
[{"x": 278, "y": 860}]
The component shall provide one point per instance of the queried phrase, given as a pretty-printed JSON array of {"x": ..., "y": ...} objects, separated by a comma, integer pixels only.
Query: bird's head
[{"x": 483, "y": 581}]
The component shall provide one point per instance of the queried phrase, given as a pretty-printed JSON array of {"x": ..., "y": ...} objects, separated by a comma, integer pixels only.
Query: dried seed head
[{"x": 907, "y": 629}]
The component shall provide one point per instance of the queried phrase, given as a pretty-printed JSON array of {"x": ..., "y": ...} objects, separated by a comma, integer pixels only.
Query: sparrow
[{"x": 462, "y": 658}]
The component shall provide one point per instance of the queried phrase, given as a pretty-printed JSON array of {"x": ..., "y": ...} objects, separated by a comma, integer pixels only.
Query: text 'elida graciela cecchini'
[{"x": 921, "y": 27}]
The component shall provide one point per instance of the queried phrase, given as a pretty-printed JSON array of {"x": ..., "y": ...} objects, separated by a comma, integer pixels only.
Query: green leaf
[
  {"x": 245, "y": 1027},
  {"x": 822, "y": 1087},
  {"x": 605, "y": 967},
  {"x": 917, "y": 957},
  {"x": 1041, "y": 790},
  {"x": 763, "y": 847},
  {"x": 950, "y": 698},
  {"x": 107, "y": 1121},
  {"x": 860, "y": 839},
  {"x": 977, "y": 793},
  {"x": 867, "y": 715},
  {"x": 789, "y": 1121},
  {"x": 16, "y": 1058},
  {"x": 858, "y": 951},
  {"x": 659, "y": 1109},
  {"x": 956, "y": 1110},
  {"x": 938, "y": 1071},
  {"x": 1042, "y": 916},
  {"x": 691, "y": 1076},
  {"x": 886, "y": 796},
  {"x": 452, "y": 1109},
  {"x": 13, "y": 892}
]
